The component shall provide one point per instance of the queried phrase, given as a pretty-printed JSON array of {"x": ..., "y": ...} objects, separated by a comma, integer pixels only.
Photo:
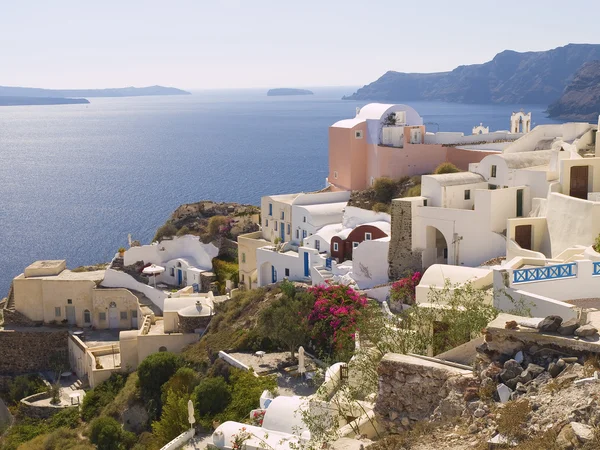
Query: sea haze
[{"x": 76, "y": 179}]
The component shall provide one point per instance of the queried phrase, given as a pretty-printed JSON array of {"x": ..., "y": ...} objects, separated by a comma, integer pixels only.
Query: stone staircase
[
  {"x": 324, "y": 272},
  {"x": 10, "y": 316}
]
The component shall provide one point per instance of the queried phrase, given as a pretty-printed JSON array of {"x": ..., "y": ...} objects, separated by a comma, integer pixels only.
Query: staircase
[{"x": 324, "y": 272}]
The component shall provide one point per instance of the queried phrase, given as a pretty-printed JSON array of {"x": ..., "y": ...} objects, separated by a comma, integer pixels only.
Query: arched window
[
  {"x": 112, "y": 305},
  {"x": 178, "y": 264},
  {"x": 87, "y": 316},
  {"x": 162, "y": 349}
]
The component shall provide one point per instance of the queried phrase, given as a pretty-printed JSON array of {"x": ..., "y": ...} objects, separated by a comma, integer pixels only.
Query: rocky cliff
[
  {"x": 581, "y": 98},
  {"x": 511, "y": 77}
]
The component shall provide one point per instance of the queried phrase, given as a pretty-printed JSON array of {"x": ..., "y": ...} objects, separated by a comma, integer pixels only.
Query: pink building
[{"x": 391, "y": 141}]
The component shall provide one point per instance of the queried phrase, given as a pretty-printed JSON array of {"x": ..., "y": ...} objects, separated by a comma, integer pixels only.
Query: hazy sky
[{"x": 270, "y": 43}]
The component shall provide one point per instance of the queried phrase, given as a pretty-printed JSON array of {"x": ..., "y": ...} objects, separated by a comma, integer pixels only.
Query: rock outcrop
[{"x": 581, "y": 98}]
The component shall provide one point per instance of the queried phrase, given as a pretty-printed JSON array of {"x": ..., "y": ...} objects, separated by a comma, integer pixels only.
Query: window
[
  {"x": 358, "y": 134},
  {"x": 304, "y": 219},
  {"x": 467, "y": 194},
  {"x": 123, "y": 315},
  {"x": 492, "y": 186},
  {"x": 425, "y": 202},
  {"x": 134, "y": 313},
  {"x": 335, "y": 246},
  {"x": 289, "y": 229},
  {"x": 335, "y": 174},
  {"x": 172, "y": 272},
  {"x": 493, "y": 172},
  {"x": 275, "y": 226},
  {"x": 317, "y": 244},
  {"x": 87, "y": 317},
  {"x": 102, "y": 316},
  {"x": 355, "y": 244},
  {"x": 266, "y": 222},
  {"x": 57, "y": 311},
  {"x": 243, "y": 257},
  {"x": 282, "y": 215},
  {"x": 368, "y": 236},
  {"x": 162, "y": 349},
  {"x": 297, "y": 234},
  {"x": 69, "y": 301},
  {"x": 270, "y": 209},
  {"x": 112, "y": 305},
  {"x": 303, "y": 234},
  {"x": 242, "y": 278},
  {"x": 287, "y": 272}
]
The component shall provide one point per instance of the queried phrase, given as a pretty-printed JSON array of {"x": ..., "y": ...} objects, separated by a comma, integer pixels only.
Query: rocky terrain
[
  {"x": 581, "y": 99},
  {"x": 510, "y": 77}
]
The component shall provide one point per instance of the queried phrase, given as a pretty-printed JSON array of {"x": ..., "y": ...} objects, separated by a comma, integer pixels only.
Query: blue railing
[
  {"x": 596, "y": 268},
  {"x": 545, "y": 273}
]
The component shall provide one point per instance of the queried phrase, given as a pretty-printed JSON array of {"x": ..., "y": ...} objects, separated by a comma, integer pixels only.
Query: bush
[
  {"x": 414, "y": 191},
  {"x": 246, "y": 390},
  {"x": 511, "y": 418},
  {"x": 167, "y": 230},
  {"x": 381, "y": 207},
  {"x": 153, "y": 372},
  {"x": 173, "y": 420},
  {"x": 182, "y": 383},
  {"x": 385, "y": 189},
  {"x": 183, "y": 231},
  {"x": 597, "y": 244},
  {"x": 67, "y": 418},
  {"x": 225, "y": 270},
  {"x": 101, "y": 395},
  {"x": 24, "y": 386},
  {"x": 218, "y": 226},
  {"x": 60, "y": 439},
  {"x": 446, "y": 167},
  {"x": 211, "y": 396},
  {"x": 404, "y": 290},
  {"x": 107, "y": 434}
]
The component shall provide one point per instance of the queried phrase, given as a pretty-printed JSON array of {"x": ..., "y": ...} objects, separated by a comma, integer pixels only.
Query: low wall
[
  {"x": 28, "y": 408},
  {"x": 410, "y": 388},
  {"x": 381, "y": 293},
  {"x": 117, "y": 279},
  {"x": 232, "y": 361},
  {"x": 30, "y": 351},
  {"x": 180, "y": 440}
]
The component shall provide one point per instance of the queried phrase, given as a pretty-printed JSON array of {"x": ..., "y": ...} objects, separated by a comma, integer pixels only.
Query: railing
[
  {"x": 596, "y": 268},
  {"x": 545, "y": 273}
]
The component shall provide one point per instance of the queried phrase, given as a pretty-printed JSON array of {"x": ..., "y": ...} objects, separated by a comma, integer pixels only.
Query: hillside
[
  {"x": 510, "y": 77},
  {"x": 116, "y": 92},
  {"x": 21, "y": 101},
  {"x": 288, "y": 91},
  {"x": 581, "y": 99}
]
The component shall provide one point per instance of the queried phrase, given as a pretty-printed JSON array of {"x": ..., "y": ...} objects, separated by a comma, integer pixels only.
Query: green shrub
[
  {"x": 246, "y": 390},
  {"x": 23, "y": 431},
  {"x": 385, "y": 189},
  {"x": 225, "y": 270},
  {"x": 24, "y": 386},
  {"x": 381, "y": 207},
  {"x": 183, "y": 231},
  {"x": 414, "y": 191},
  {"x": 67, "y": 418},
  {"x": 173, "y": 420},
  {"x": 217, "y": 225},
  {"x": 101, "y": 395},
  {"x": 597, "y": 244},
  {"x": 446, "y": 167},
  {"x": 211, "y": 396},
  {"x": 153, "y": 372},
  {"x": 167, "y": 230},
  {"x": 60, "y": 439},
  {"x": 107, "y": 434},
  {"x": 182, "y": 383}
]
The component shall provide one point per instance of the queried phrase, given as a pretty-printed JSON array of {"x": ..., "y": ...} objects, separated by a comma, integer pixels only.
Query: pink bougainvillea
[
  {"x": 404, "y": 290},
  {"x": 333, "y": 319}
]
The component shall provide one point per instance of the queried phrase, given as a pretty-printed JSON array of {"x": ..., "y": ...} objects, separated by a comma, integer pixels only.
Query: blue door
[
  {"x": 179, "y": 277},
  {"x": 282, "y": 231},
  {"x": 306, "y": 268},
  {"x": 273, "y": 275}
]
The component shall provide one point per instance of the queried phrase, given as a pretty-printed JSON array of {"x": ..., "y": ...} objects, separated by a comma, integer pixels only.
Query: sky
[{"x": 214, "y": 44}]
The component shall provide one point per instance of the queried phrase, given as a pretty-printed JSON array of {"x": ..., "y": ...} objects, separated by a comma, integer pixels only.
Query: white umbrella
[
  {"x": 153, "y": 270},
  {"x": 191, "y": 418},
  {"x": 301, "y": 366}
]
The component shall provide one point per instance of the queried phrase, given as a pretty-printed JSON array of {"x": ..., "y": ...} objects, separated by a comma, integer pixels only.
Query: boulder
[
  {"x": 512, "y": 369},
  {"x": 534, "y": 370},
  {"x": 583, "y": 432},
  {"x": 568, "y": 327},
  {"x": 554, "y": 369},
  {"x": 586, "y": 330},
  {"x": 566, "y": 439},
  {"x": 550, "y": 324}
]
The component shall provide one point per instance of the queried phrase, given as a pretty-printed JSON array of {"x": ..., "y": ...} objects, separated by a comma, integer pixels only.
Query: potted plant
[{"x": 121, "y": 251}]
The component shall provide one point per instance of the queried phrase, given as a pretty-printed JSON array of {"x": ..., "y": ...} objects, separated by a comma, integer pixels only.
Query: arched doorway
[
  {"x": 113, "y": 315},
  {"x": 436, "y": 251}
]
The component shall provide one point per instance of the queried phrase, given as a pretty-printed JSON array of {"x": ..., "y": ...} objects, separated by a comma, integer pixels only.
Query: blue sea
[{"x": 76, "y": 179}]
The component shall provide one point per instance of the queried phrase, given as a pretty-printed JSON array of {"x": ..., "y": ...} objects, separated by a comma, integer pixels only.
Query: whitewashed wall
[
  {"x": 117, "y": 279},
  {"x": 370, "y": 264},
  {"x": 188, "y": 247}
]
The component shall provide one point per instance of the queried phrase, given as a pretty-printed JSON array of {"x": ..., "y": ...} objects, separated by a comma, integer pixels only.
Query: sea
[{"x": 75, "y": 180}]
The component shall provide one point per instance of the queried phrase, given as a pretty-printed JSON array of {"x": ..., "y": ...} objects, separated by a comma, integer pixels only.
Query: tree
[
  {"x": 107, "y": 434},
  {"x": 174, "y": 418},
  {"x": 153, "y": 372},
  {"x": 217, "y": 225},
  {"x": 246, "y": 390},
  {"x": 385, "y": 190},
  {"x": 211, "y": 396},
  {"x": 182, "y": 383},
  {"x": 284, "y": 321},
  {"x": 167, "y": 230},
  {"x": 446, "y": 167}
]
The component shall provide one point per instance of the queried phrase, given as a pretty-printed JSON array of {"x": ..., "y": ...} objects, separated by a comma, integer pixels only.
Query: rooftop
[
  {"x": 527, "y": 159},
  {"x": 455, "y": 179},
  {"x": 68, "y": 275}
]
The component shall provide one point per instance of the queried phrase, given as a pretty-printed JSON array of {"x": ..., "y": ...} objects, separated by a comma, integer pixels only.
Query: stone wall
[
  {"x": 29, "y": 351},
  {"x": 28, "y": 407},
  {"x": 401, "y": 258},
  {"x": 411, "y": 388}
]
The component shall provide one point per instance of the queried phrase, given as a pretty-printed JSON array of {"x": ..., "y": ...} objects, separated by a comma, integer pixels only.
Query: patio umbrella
[
  {"x": 153, "y": 270},
  {"x": 301, "y": 366}
]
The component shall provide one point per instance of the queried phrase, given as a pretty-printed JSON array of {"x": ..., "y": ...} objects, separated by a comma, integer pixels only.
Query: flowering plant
[
  {"x": 404, "y": 290},
  {"x": 333, "y": 319}
]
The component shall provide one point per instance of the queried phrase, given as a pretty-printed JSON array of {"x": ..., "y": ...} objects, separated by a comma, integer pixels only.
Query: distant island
[
  {"x": 70, "y": 93},
  {"x": 22, "y": 101},
  {"x": 288, "y": 91},
  {"x": 510, "y": 77}
]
